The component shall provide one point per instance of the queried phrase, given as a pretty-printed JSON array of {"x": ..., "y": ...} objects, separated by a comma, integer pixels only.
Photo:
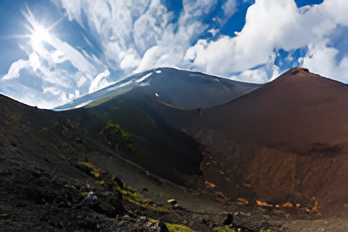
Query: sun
[{"x": 39, "y": 34}]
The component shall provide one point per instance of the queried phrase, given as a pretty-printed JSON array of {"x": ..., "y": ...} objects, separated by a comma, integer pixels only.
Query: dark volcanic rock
[
  {"x": 118, "y": 181},
  {"x": 229, "y": 219},
  {"x": 109, "y": 204}
]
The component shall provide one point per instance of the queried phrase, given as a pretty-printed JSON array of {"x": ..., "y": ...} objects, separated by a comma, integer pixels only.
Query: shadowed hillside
[{"x": 57, "y": 177}]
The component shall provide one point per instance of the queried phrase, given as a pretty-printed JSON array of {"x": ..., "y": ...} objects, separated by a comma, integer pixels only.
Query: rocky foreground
[
  {"x": 35, "y": 197},
  {"x": 48, "y": 183}
]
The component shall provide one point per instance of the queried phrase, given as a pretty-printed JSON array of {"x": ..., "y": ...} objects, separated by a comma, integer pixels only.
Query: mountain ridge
[{"x": 176, "y": 87}]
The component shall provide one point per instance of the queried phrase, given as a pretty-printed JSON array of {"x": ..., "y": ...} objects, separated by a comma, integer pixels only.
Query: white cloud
[
  {"x": 58, "y": 56},
  {"x": 52, "y": 90},
  {"x": 139, "y": 36},
  {"x": 252, "y": 76},
  {"x": 74, "y": 56},
  {"x": 34, "y": 61},
  {"x": 337, "y": 10},
  {"x": 230, "y": 7},
  {"x": 193, "y": 8},
  {"x": 321, "y": 59},
  {"x": 99, "y": 81},
  {"x": 214, "y": 31},
  {"x": 74, "y": 11},
  {"x": 130, "y": 61},
  {"x": 270, "y": 25},
  {"x": 15, "y": 68},
  {"x": 322, "y": 56},
  {"x": 147, "y": 61}
]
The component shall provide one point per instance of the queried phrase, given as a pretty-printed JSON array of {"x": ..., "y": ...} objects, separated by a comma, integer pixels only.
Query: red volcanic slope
[
  {"x": 286, "y": 140},
  {"x": 296, "y": 112}
]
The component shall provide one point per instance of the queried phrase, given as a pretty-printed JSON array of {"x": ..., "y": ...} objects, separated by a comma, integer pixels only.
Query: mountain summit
[{"x": 175, "y": 87}]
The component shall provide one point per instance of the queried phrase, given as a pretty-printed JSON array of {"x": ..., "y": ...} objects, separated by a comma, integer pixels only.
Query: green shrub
[
  {"x": 89, "y": 168},
  {"x": 118, "y": 138},
  {"x": 83, "y": 194}
]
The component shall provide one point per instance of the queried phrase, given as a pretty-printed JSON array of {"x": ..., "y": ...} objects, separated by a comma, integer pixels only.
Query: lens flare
[{"x": 39, "y": 34}]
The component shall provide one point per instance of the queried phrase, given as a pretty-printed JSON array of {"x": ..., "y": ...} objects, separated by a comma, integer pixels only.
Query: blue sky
[{"x": 55, "y": 51}]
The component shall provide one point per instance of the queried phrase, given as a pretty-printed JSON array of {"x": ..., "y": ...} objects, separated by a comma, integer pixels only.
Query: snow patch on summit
[
  {"x": 144, "y": 77},
  {"x": 82, "y": 104}
]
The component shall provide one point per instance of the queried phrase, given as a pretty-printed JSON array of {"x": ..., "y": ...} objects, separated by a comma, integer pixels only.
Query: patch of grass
[
  {"x": 90, "y": 169},
  {"x": 95, "y": 172},
  {"x": 70, "y": 186},
  {"x": 178, "y": 228},
  {"x": 224, "y": 229},
  {"x": 145, "y": 204},
  {"x": 130, "y": 193},
  {"x": 87, "y": 164},
  {"x": 83, "y": 194}
]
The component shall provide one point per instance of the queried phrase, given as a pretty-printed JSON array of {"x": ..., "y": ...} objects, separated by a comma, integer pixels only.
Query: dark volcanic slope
[
  {"x": 162, "y": 149},
  {"x": 48, "y": 165},
  {"x": 195, "y": 90},
  {"x": 286, "y": 140},
  {"x": 175, "y": 87}
]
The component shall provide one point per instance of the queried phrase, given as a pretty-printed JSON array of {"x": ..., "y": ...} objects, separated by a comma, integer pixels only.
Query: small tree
[{"x": 118, "y": 138}]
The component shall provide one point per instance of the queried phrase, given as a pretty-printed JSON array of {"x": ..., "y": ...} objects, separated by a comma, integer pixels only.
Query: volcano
[
  {"x": 284, "y": 141},
  {"x": 287, "y": 138},
  {"x": 271, "y": 152}
]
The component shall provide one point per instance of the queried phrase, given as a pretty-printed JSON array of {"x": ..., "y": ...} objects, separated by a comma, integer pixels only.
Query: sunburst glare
[{"x": 39, "y": 33}]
